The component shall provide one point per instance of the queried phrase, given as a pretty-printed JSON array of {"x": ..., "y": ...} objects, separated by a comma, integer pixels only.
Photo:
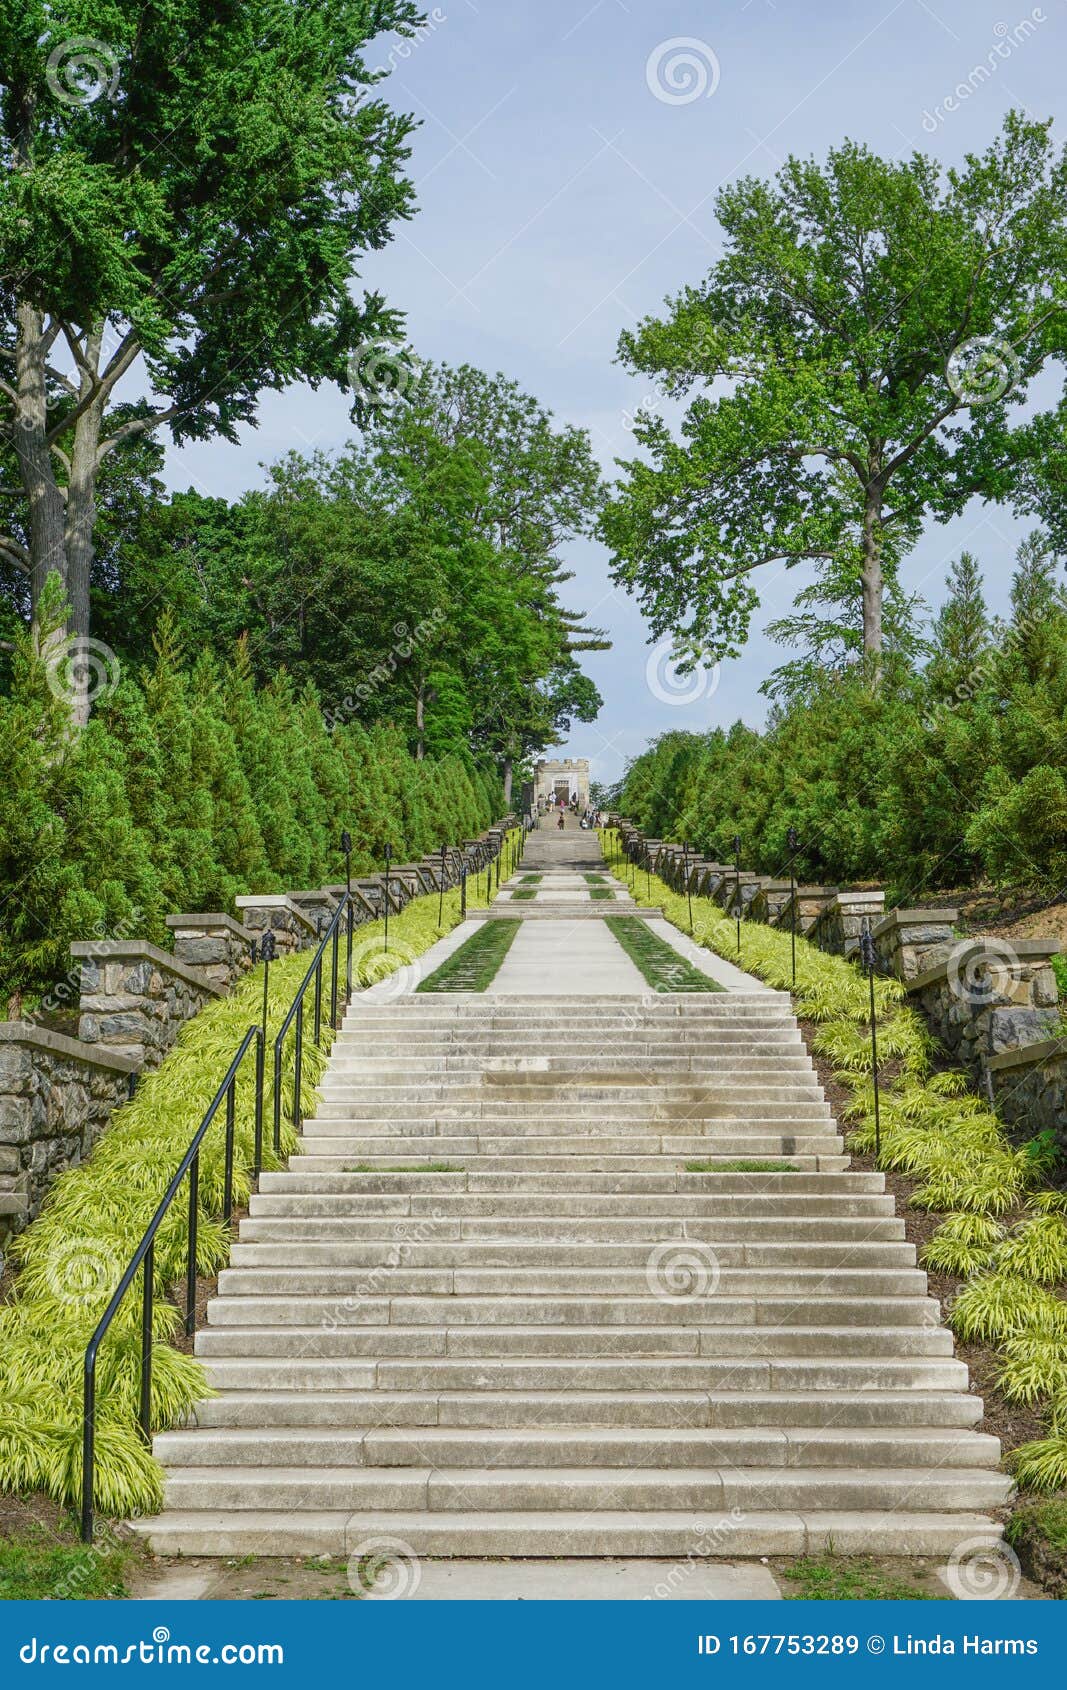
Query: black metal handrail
[
  {"x": 143, "y": 1258},
  {"x": 295, "y": 1013}
]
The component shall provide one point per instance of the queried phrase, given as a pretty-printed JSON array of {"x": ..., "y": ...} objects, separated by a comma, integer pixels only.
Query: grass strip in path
[
  {"x": 665, "y": 969},
  {"x": 741, "y": 1167},
  {"x": 474, "y": 966},
  {"x": 531, "y": 879},
  {"x": 601, "y": 892},
  {"x": 523, "y": 894},
  {"x": 595, "y": 879}
]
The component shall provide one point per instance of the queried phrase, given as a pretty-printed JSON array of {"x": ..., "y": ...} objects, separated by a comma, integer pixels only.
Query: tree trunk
[
  {"x": 872, "y": 577},
  {"x": 420, "y": 722},
  {"x": 81, "y": 521},
  {"x": 509, "y": 769},
  {"x": 45, "y": 515}
]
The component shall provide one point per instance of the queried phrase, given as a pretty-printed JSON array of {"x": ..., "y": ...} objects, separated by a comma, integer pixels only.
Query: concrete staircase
[{"x": 570, "y": 1345}]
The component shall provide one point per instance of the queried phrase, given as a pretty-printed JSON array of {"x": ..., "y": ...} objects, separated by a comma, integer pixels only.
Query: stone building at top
[{"x": 556, "y": 778}]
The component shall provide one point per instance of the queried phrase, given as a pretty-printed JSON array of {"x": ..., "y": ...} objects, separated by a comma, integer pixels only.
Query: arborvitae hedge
[{"x": 187, "y": 788}]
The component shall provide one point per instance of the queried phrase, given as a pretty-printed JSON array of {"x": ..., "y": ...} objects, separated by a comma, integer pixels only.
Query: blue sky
[{"x": 561, "y": 199}]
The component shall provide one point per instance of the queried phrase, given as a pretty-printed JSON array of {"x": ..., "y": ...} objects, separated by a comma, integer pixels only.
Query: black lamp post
[
  {"x": 792, "y": 839},
  {"x": 346, "y": 847},
  {"x": 441, "y": 888},
  {"x": 688, "y": 888},
  {"x": 737, "y": 886},
  {"x": 268, "y": 950},
  {"x": 388, "y": 861},
  {"x": 869, "y": 960},
  {"x": 346, "y": 850}
]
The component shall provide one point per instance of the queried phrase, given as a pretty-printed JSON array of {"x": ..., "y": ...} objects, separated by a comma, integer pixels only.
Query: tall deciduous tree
[
  {"x": 187, "y": 188},
  {"x": 874, "y": 327}
]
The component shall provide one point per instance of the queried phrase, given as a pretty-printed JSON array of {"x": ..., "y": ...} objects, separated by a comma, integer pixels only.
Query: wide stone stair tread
[
  {"x": 340, "y": 1532},
  {"x": 565, "y": 1342}
]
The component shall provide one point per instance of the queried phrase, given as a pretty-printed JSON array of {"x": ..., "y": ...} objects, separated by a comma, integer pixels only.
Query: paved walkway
[{"x": 564, "y": 948}]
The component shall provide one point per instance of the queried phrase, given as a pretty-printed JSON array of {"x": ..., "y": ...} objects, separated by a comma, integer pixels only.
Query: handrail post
[
  {"x": 88, "y": 1442},
  {"x": 333, "y": 975},
  {"x": 298, "y": 1063},
  {"x": 147, "y": 1297},
  {"x": 231, "y": 1120},
  {"x": 194, "y": 1217},
  {"x": 261, "y": 1052},
  {"x": 348, "y": 957},
  {"x": 318, "y": 1001},
  {"x": 277, "y": 1099}
]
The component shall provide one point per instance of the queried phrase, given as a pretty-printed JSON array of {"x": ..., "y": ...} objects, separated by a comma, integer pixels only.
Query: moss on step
[{"x": 741, "y": 1167}]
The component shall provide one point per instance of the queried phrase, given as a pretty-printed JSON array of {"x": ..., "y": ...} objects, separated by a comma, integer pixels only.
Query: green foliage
[
  {"x": 1042, "y": 1464},
  {"x": 967, "y": 759},
  {"x": 189, "y": 787},
  {"x": 1004, "y": 1305},
  {"x": 823, "y": 424},
  {"x": 39, "y": 1565},
  {"x": 221, "y": 264}
]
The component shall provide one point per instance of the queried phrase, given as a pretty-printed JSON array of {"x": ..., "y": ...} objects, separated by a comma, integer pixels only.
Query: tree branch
[{"x": 15, "y": 552}]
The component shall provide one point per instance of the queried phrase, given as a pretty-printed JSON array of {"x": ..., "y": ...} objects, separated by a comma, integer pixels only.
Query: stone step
[
  {"x": 326, "y": 1269},
  {"x": 376, "y": 1303},
  {"x": 498, "y": 1376},
  {"x": 445, "y": 1195},
  {"x": 481, "y": 1253},
  {"x": 788, "y": 1239},
  {"x": 237, "y": 1327},
  {"x": 772, "y": 1449},
  {"x": 406, "y": 1062},
  {"x": 337, "y": 1156},
  {"x": 660, "y": 1535},
  {"x": 887, "y": 1269},
  {"x": 599, "y": 1192},
  {"x": 267, "y": 1402},
  {"x": 500, "y": 1490},
  {"x": 729, "y": 1108}
]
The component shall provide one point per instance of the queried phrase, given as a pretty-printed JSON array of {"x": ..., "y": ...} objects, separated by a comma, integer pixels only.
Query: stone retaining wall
[
  {"x": 1030, "y": 1088},
  {"x": 135, "y": 998},
  {"x": 56, "y": 1097},
  {"x": 986, "y": 997},
  {"x": 215, "y": 945}
]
